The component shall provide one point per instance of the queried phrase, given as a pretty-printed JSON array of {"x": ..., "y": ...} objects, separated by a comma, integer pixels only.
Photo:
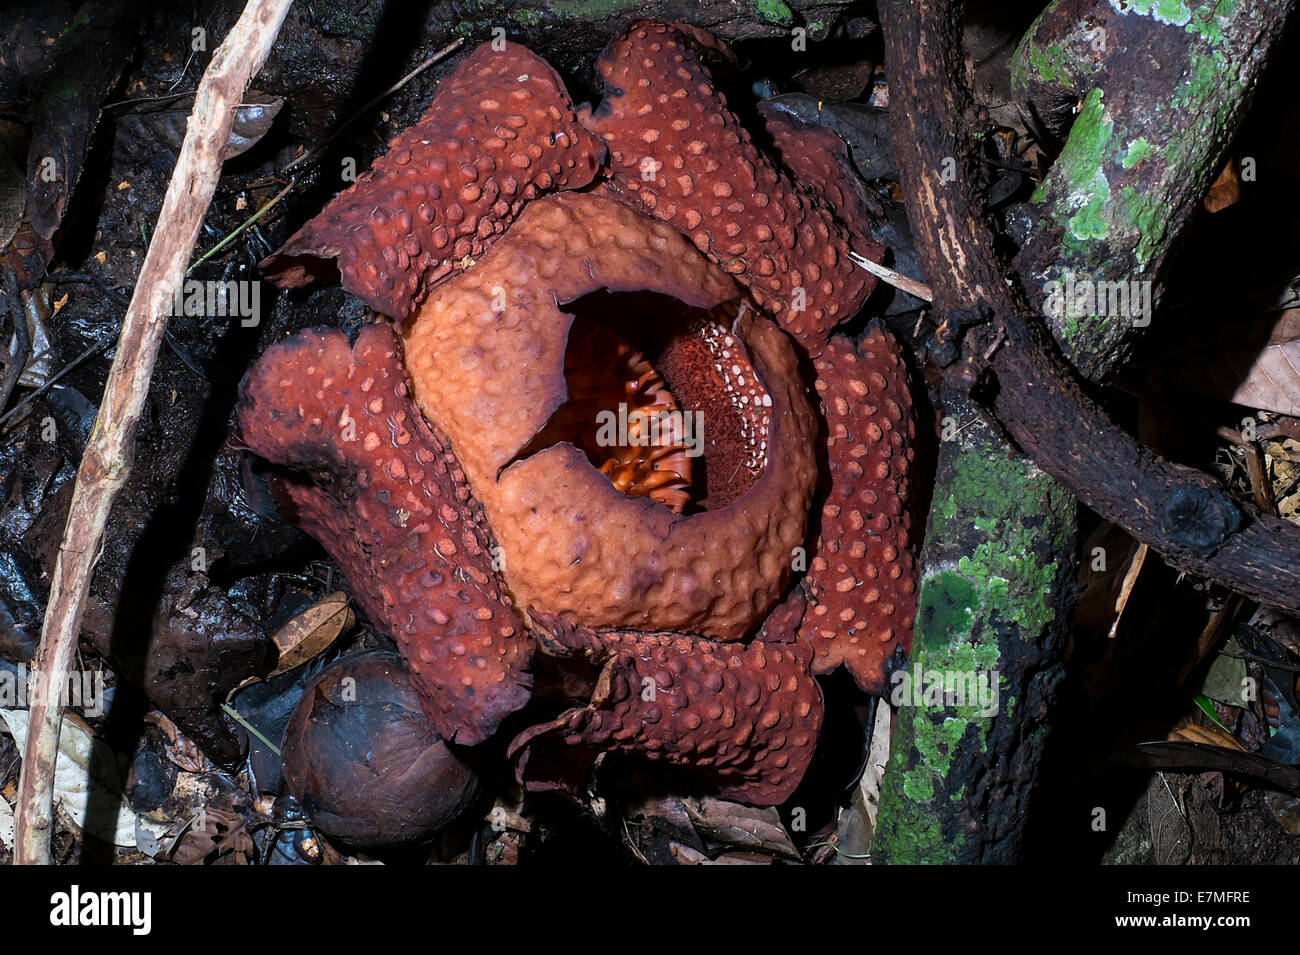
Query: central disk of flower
[
  {"x": 623, "y": 416},
  {"x": 629, "y": 356}
]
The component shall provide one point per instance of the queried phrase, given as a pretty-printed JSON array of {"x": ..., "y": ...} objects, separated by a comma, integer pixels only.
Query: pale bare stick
[
  {"x": 106, "y": 462},
  {"x": 896, "y": 279}
]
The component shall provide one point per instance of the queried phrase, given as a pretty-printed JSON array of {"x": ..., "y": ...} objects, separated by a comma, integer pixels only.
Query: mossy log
[
  {"x": 997, "y": 593},
  {"x": 1160, "y": 90}
]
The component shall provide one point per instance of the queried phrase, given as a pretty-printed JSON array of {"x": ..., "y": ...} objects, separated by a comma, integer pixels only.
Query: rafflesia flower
[{"x": 589, "y": 429}]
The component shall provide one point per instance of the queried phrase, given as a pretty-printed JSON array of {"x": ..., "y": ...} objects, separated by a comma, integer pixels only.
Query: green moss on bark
[
  {"x": 990, "y": 587},
  {"x": 1131, "y": 169}
]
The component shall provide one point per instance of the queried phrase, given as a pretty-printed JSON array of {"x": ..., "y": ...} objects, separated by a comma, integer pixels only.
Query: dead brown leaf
[
  {"x": 504, "y": 849},
  {"x": 685, "y": 855},
  {"x": 1282, "y": 467},
  {"x": 1283, "y": 629},
  {"x": 1226, "y": 190},
  {"x": 1188, "y": 731},
  {"x": 212, "y": 837},
  {"x": 1263, "y": 373},
  {"x": 311, "y": 632},
  {"x": 180, "y": 749},
  {"x": 742, "y": 827}
]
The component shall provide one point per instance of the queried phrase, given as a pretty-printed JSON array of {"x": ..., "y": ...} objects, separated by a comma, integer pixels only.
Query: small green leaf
[{"x": 1208, "y": 709}]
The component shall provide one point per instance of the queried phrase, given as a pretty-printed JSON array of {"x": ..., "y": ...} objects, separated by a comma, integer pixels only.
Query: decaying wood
[{"x": 106, "y": 461}]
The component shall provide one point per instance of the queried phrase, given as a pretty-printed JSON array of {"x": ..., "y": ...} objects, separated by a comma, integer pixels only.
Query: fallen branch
[
  {"x": 106, "y": 461},
  {"x": 1143, "y": 149},
  {"x": 978, "y": 799},
  {"x": 1005, "y": 358}
]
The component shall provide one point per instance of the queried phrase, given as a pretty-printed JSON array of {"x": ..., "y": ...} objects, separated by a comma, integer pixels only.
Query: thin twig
[
  {"x": 147, "y": 99},
  {"x": 238, "y": 717},
  {"x": 442, "y": 54},
  {"x": 106, "y": 461},
  {"x": 896, "y": 279},
  {"x": 246, "y": 223}
]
